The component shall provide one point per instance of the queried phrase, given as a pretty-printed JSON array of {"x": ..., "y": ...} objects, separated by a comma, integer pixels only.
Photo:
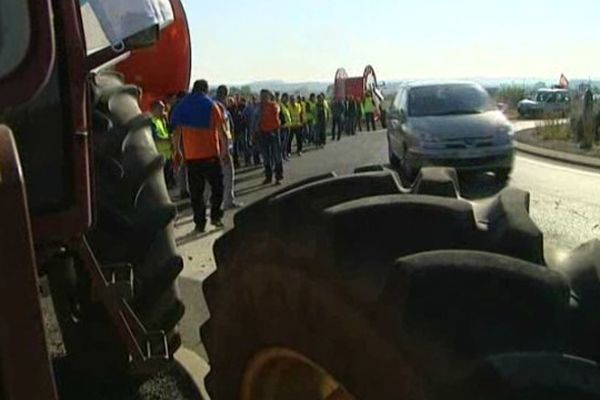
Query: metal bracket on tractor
[{"x": 113, "y": 286}]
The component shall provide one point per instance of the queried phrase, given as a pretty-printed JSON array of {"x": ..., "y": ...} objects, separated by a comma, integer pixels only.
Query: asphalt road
[{"x": 565, "y": 203}]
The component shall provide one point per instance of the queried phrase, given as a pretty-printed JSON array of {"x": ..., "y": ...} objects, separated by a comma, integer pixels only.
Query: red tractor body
[
  {"x": 47, "y": 169},
  {"x": 165, "y": 68}
]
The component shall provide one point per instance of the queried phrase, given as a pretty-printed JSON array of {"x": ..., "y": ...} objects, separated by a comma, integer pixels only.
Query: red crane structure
[{"x": 357, "y": 87}]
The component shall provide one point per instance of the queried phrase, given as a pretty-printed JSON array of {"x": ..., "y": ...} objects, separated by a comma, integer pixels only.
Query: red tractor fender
[{"x": 164, "y": 68}]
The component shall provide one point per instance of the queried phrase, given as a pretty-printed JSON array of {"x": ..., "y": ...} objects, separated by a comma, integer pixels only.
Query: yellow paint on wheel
[{"x": 283, "y": 374}]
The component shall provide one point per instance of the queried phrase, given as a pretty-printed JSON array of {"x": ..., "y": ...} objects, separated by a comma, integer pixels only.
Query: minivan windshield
[{"x": 453, "y": 99}]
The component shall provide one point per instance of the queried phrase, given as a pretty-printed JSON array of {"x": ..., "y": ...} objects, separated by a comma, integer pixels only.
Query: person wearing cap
[{"x": 369, "y": 111}]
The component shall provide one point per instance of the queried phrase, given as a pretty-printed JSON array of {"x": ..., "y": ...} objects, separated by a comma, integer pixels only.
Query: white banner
[{"x": 120, "y": 19}]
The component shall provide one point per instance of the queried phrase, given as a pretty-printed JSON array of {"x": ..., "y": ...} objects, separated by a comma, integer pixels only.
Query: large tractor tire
[
  {"x": 133, "y": 226},
  {"x": 345, "y": 287}
]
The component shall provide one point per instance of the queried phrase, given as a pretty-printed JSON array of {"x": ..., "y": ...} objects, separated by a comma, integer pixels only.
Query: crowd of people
[{"x": 205, "y": 139}]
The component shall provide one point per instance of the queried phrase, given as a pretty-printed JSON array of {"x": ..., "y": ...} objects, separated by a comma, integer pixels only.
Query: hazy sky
[{"x": 239, "y": 41}]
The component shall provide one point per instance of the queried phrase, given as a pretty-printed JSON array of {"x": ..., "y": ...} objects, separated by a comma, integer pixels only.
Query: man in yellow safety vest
[
  {"x": 162, "y": 139},
  {"x": 286, "y": 121},
  {"x": 369, "y": 110},
  {"x": 297, "y": 117}
]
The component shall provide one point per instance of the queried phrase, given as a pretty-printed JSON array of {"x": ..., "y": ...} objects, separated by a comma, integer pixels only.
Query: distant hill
[
  {"x": 289, "y": 87},
  {"x": 391, "y": 86}
]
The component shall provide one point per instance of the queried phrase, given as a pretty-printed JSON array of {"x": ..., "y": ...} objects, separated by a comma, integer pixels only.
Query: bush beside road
[{"x": 555, "y": 139}]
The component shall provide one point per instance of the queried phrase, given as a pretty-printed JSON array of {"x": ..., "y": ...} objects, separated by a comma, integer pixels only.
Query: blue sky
[{"x": 240, "y": 41}]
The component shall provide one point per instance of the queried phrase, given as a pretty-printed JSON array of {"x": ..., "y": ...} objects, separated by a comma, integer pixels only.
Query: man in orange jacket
[
  {"x": 266, "y": 129},
  {"x": 198, "y": 122}
]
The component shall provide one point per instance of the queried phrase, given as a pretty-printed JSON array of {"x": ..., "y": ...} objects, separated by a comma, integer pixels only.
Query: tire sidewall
[{"x": 276, "y": 306}]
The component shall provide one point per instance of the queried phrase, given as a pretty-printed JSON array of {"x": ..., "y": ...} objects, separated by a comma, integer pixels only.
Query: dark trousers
[
  {"x": 321, "y": 133},
  {"x": 235, "y": 152},
  {"x": 200, "y": 172},
  {"x": 309, "y": 133},
  {"x": 270, "y": 146},
  {"x": 350, "y": 125},
  {"x": 337, "y": 125},
  {"x": 370, "y": 119},
  {"x": 297, "y": 133},
  {"x": 285, "y": 140},
  {"x": 358, "y": 123},
  {"x": 241, "y": 146},
  {"x": 169, "y": 174},
  {"x": 255, "y": 150}
]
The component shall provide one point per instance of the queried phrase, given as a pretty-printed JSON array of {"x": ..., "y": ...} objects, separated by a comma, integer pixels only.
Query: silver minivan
[
  {"x": 547, "y": 102},
  {"x": 453, "y": 124}
]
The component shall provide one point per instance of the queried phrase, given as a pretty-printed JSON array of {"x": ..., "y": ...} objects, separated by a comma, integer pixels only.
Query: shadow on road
[
  {"x": 181, "y": 221},
  {"x": 192, "y": 236},
  {"x": 240, "y": 178},
  {"x": 251, "y": 189},
  {"x": 245, "y": 170}
]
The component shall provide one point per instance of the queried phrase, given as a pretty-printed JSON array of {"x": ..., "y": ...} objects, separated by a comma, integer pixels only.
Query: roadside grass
[{"x": 553, "y": 129}]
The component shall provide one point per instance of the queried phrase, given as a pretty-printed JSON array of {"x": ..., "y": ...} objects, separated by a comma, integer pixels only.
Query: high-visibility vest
[
  {"x": 162, "y": 137},
  {"x": 311, "y": 111},
  {"x": 285, "y": 112},
  {"x": 198, "y": 120},
  {"x": 303, "y": 105},
  {"x": 368, "y": 105},
  {"x": 295, "y": 114}
]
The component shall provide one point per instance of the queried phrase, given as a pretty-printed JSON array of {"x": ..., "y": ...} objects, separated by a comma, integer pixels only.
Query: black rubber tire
[
  {"x": 503, "y": 174},
  {"x": 539, "y": 376},
  {"x": 437, "y": 182},
  {"x": 582, "y": 268},
  {"x": 363, "y": 345},
  {"x": 321, "y": 280},
  {"x": 134, "y": 216},
  {"x": 523, "y": 114},
  {"x": 509, "y": 228}
]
